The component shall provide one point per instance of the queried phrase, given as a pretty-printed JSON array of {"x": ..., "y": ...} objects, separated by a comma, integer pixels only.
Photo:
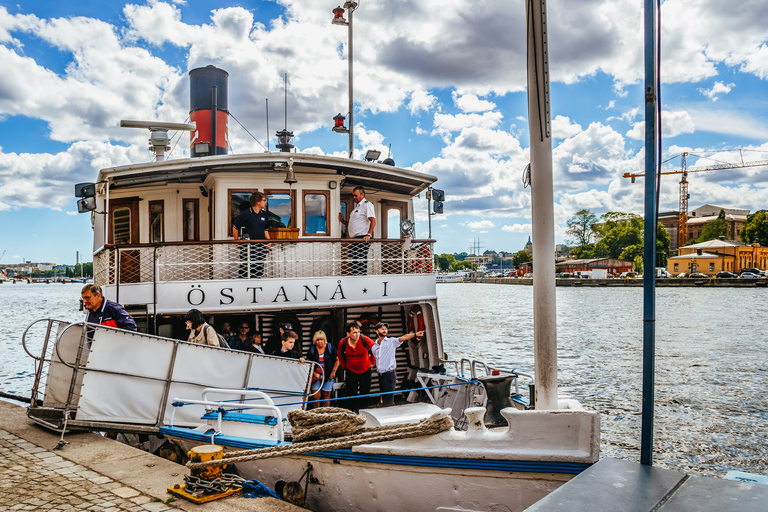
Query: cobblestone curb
[{"x": 33, "y": 478}]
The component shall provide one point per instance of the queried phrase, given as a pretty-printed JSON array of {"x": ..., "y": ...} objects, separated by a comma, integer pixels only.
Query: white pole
[
  {"x": 542, "y": 209},
  {"x": 350, "y": 10}
]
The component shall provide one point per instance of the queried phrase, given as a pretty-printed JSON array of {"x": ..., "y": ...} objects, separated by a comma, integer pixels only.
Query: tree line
[{"x": 614, "y": 235}]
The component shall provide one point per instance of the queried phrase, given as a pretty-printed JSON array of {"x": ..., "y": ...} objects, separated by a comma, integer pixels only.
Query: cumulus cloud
[
  {"x": 517, "y": 228},
  {"x": 481, "y": 224},
  {"x": 674, "y": 123},
  {"x": 563, "y": 128},
  {"x": 716, "y": 90},
  {"x": 471, "y": 103}
]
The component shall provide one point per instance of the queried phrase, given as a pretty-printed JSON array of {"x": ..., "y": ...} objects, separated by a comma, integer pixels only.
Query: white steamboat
[{"x": 163, "y": 244}]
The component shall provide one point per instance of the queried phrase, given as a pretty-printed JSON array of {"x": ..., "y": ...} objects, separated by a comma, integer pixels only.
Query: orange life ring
[
  {"x": 424, "y": 262},
  {"x": 415, "y": 322}
]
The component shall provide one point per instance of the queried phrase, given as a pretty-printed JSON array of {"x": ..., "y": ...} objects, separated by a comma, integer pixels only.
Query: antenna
[
  {"x": 267, "y": 100},
  {"x": 285, "y": 95},
  {"x": 389, "y": 152},
  {"x": 159, "y": 142}
]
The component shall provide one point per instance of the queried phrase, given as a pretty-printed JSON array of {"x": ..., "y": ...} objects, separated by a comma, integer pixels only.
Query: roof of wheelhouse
[{"x": 195, "y": 170}]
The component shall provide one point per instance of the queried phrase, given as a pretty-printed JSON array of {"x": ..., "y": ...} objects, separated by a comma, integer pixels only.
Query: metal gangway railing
[{"x": 93, "y": 377}]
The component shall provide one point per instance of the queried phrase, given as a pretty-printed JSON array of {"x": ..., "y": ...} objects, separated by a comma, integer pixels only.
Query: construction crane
[{"x": 682, "y": 223}]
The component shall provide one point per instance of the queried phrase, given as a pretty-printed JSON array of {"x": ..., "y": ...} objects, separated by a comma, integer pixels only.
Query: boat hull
[{"x": 350, "y": 480}]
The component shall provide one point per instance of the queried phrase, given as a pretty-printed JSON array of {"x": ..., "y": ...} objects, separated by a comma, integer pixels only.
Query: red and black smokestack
[{"x": 209, "y": 108}]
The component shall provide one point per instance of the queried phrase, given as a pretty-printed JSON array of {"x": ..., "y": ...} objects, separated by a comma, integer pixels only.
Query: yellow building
[{"x": 716, "y": 256}]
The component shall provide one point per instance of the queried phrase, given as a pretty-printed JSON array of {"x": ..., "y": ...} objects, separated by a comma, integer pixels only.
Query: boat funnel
[
  {"x": 498, "y": 389},
  {"x": 209, "y": 109}
]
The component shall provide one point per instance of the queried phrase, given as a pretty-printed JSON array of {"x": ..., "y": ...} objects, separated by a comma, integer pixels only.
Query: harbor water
[{"x": 711, "y": 411}]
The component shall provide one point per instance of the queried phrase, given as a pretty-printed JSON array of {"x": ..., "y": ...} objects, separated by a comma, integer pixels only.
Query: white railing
[{"x": 221, "y": 260}]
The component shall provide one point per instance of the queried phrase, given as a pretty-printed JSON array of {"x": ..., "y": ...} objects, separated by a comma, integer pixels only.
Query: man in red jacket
[{"x": 356, "y": 358}]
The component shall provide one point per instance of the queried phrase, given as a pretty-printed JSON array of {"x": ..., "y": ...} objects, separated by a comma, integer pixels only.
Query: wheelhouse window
[
  {"x": 711, "y": 266},
  {"x": 156, "y": 222},
  {"x": 121, "y": 222},
  {"x": 239, "y": 201},
  {"x": 316, "y": 212},
  {"x": 676, "y": 267},
  {"x": 191, "y": 220},
  {"x": 281, "y": 208}
]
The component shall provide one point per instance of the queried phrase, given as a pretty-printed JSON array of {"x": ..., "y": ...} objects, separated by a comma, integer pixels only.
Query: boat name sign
[{"x": 278, "y": 293}]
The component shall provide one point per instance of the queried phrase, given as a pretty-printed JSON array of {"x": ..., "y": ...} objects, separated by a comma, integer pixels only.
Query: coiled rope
[{"x": 333, "y": 428}]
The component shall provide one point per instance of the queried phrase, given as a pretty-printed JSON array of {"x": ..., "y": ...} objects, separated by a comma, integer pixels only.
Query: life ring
[
  {"x": 423, "y": 264},
  {"x": 368, "y": 320},
  {"x": 415, "y": 322}
]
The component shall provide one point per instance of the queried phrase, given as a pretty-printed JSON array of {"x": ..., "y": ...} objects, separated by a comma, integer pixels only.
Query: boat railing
[
  {"x": 281, "y": 258},
  {"x": 221, "y": 406}
]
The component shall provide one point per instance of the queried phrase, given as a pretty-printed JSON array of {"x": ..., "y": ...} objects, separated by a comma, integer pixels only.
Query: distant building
[
  {"x": 715, "y": 256},
  {"x": 614, "y": 266},
  {"x": 700, "y": 217},
  {"x": 529, "y": 246},
  {"x": 671, "y": 222}
]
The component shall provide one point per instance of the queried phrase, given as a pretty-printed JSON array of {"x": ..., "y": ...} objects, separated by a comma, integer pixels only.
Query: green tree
[
  {"x": 755, "y": 229},
  {"x": 521, "y": 257},
  {"x": 464, "y": 265},
  {"x": 460, "y": 256},
  {"x": 445, "y": 261},
  {"x": 88, "y": 269},
  {"x": 712, "y": 230},
  {"x": 638, "y": 264},
  {"x": 580, "y": 227}
]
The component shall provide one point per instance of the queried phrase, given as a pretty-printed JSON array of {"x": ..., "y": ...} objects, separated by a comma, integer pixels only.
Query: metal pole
[
  {"x": 649, "y": 239},
  {"x": 350, "y": 10},
  {"x": 542, "y": 208}
]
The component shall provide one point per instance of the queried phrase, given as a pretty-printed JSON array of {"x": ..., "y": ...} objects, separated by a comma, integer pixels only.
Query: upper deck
[{"x": 170, "y": 223}]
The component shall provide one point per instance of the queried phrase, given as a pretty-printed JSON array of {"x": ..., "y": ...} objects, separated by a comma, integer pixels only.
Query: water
[{"x": 711, "y": 366}]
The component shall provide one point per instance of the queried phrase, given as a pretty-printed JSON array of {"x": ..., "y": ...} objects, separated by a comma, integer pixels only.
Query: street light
[{"x": 338, "y": 19}]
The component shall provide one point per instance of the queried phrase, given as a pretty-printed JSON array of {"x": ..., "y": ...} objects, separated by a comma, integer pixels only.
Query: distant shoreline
[{"x": 660, "y": 283}]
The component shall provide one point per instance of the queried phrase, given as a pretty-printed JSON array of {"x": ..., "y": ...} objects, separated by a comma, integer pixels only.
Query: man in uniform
[
  {"x": 252, "y": 225},
  {"x": 103, "y": 311},
  {"x": 362, "y": 221},
  {"x": 384, "y": 351}
]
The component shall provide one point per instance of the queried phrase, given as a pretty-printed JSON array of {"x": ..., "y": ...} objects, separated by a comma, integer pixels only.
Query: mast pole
[
  {"x": 542, "y": 208},
  {"x": 652, "y": 88}
]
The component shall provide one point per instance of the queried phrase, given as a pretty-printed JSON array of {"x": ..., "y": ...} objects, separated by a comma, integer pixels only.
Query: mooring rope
[{"x": 347, "y": 428}]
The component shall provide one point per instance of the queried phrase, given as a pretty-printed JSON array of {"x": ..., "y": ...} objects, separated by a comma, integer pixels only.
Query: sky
[{"x": 441, "y": 81}]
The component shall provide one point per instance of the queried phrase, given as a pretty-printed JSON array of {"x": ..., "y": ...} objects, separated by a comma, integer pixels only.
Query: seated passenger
[
  {"x": 325, "y": 355},
  {"x": 288, "y": 341},
  {"x": 239, "y": 340},
  {"x": 254, "y": 344}
]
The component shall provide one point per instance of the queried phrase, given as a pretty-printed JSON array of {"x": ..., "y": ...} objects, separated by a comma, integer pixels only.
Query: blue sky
[{"x": 442, "y": 81}]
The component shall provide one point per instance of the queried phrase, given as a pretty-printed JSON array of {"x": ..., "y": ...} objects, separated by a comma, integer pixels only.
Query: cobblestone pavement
[{"x": 33, "y": 478}]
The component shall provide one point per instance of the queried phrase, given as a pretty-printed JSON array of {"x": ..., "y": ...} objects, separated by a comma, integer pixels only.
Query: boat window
[
  {"x": 121, "y": 222},
  {"x": 344, "y": 207},
  {"x": 316, "y": 212},
  {"x": 239, "y": 201},
  {"x": 156, "y": 221},
  {"x": 393, "y": 223},
  {"x": 191, "y": 220},
  {"x": 392, "y": 213},
  {"x": 281, "y": 208}
]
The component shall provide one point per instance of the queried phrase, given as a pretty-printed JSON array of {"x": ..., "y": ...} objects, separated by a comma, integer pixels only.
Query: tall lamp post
[{"x": 338, "y": 19}]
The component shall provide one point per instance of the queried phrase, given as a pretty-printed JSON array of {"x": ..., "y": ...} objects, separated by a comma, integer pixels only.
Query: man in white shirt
[
  {"x": 384, "y": 351},
  {"x": 361, "y": 223}
]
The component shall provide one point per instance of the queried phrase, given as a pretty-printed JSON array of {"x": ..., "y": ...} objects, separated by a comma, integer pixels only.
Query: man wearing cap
[
  {"x": 384, "y": 350},
  {"x": 275, "y": 342}
]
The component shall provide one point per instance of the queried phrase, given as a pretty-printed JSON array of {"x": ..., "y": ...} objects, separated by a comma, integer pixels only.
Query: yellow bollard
[{"x": 205, "y": 453}]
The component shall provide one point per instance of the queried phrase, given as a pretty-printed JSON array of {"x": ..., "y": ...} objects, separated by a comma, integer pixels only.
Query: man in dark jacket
[{"x": 103, "y": 311}]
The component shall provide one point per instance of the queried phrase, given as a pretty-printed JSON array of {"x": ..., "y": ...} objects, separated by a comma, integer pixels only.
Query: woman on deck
[{"x": 325, "y": 355}]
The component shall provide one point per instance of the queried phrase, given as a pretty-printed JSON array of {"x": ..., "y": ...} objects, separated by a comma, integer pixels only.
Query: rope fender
[{"x": 438, "y": 422}]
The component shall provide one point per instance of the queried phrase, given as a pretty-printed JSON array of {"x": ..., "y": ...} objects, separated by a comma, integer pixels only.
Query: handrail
[
  {"x": 24, "y": 337},
  {"x": 270, "y": 241},
  {"x": 476, "y": 362},
  {"x": 471, "y": 368},
  {"x": 56, "y": 344},
  {"x": 178, "y": 402}
]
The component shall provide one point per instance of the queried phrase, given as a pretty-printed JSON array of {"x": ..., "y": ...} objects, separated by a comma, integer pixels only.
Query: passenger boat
[{"x": 163, "y": 244}]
